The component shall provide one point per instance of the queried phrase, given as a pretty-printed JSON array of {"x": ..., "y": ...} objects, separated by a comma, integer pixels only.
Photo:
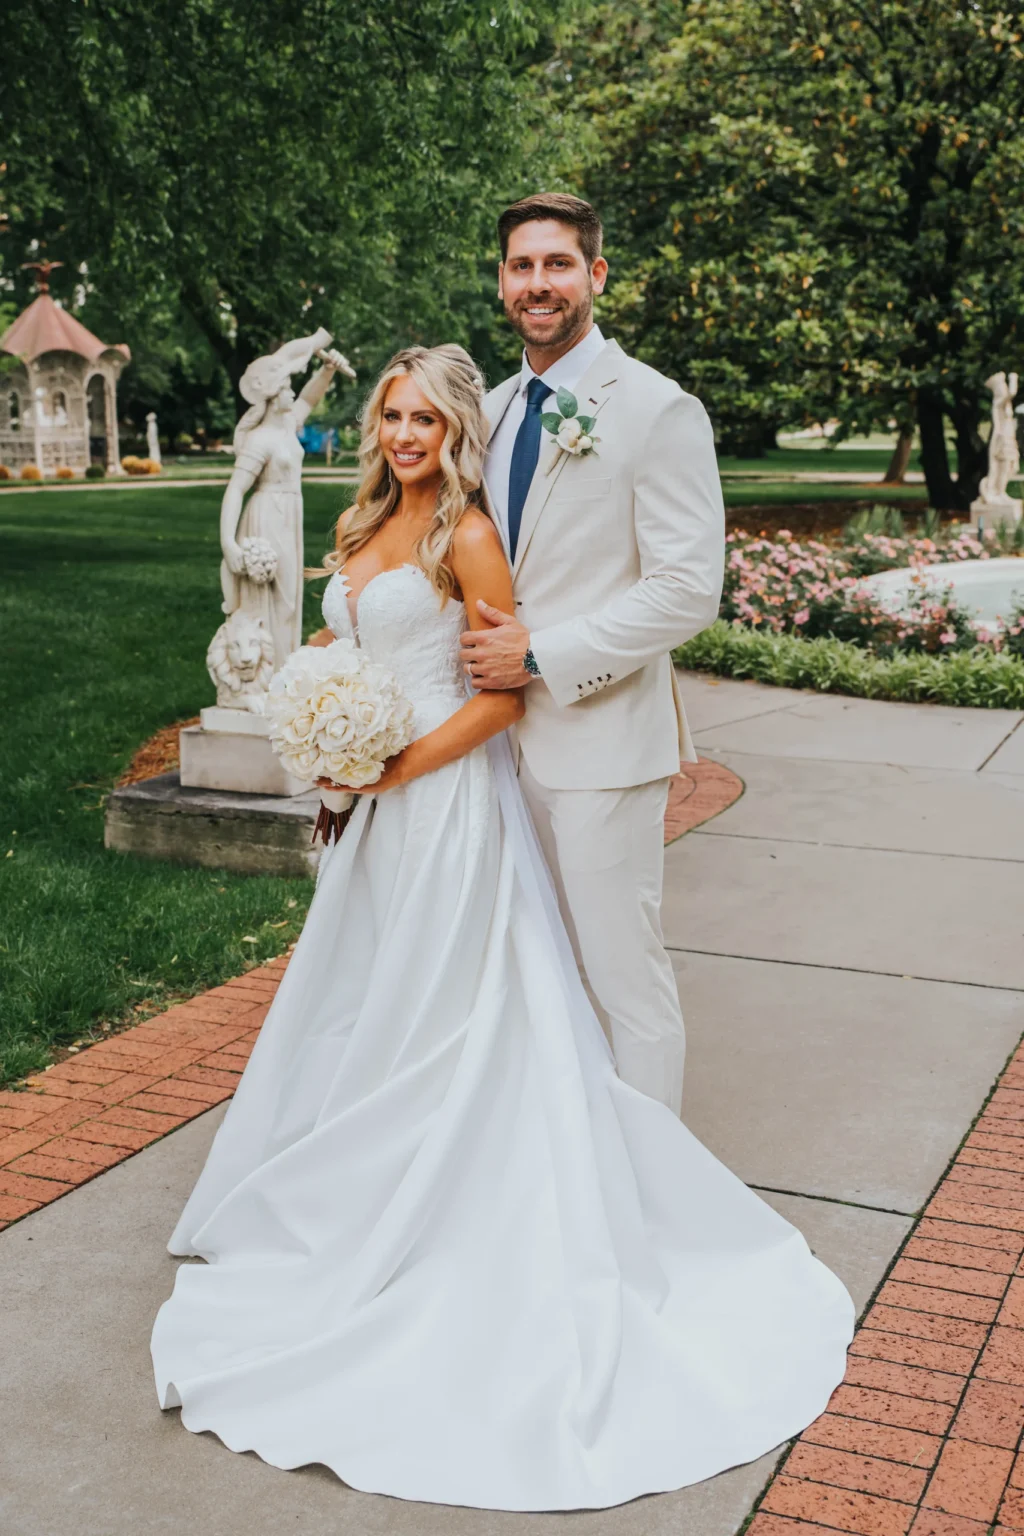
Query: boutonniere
[{"x": 572, "y": 432}]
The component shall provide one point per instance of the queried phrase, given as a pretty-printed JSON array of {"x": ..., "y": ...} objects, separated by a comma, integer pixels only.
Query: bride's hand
[{"x": 395, "y": 773}]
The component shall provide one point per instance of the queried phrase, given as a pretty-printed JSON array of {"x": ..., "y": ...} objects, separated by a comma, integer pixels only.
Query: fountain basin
[{"x": 988, "y": 587}]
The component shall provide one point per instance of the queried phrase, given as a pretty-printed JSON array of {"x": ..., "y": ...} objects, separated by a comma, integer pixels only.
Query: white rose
[
  {"x": 569, "y": 434},
  {"x": 304, "y": 763},
  {"x": 337, "y": 734},
  {"x": 585, "y": 444},
  {"x": 299, "y": 730}
]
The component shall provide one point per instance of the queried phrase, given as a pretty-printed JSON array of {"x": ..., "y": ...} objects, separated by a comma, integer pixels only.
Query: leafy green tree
[
  {"x": 813, "y": 206},
  {"x": 254, "y": 167}
]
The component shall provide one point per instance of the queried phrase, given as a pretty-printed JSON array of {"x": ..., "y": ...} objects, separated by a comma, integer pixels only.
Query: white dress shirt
[{"x": 565, "y": 374}]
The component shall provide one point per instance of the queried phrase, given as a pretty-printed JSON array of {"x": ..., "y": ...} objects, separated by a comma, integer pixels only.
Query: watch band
[{"x": 530, "y": 664}]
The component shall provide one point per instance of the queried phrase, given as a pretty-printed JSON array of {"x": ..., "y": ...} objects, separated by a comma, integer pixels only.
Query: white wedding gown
[{"x": 448, "y": 1253}]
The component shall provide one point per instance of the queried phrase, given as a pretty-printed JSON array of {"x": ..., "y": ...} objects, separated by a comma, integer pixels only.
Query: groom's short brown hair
[{"x": 555, "y": 205}]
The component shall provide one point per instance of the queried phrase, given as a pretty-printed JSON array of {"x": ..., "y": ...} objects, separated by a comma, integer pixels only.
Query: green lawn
[
  {"x": 107, "y": 604},
  {"x": 821, "y": 460}
]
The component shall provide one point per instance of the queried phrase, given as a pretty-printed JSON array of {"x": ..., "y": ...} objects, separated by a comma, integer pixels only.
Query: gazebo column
[
  {"x": 37, "y": 426},
  {"x": 113, "y": 447}
]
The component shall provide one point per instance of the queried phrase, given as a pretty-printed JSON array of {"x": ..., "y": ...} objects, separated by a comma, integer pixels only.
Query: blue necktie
[{"x": 525, "y": 453}]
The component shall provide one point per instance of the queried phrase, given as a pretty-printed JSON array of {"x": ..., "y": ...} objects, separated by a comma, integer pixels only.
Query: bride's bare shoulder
[{"x": 475, "y": 535}]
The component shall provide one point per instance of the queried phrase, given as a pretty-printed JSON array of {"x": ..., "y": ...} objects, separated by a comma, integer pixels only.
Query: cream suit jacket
[{"x": 619, "y": 559}]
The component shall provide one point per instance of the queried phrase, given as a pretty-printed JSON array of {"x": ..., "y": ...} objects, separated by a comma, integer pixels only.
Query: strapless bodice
[{"x": 402, "y": 625}]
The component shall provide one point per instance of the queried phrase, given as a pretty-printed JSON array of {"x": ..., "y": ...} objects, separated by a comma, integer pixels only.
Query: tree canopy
[
  {"x": 230, "y": 173},
  {"x": 813, "y": 205}
]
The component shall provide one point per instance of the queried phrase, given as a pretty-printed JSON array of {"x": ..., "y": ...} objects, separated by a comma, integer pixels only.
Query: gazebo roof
[{"x": 45, "y": 327}]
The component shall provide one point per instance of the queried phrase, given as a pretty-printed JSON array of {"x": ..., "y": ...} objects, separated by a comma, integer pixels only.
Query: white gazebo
[{"x": 58, "y": 406}]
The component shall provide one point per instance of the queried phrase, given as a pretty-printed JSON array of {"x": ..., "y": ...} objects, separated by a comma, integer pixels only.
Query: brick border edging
[
  {"x": 101, "y": 1106},
  {"x": 108, "y": 1101},
  {"x": 923, "y": 1437},
  {"x": 698, "y": 792}
]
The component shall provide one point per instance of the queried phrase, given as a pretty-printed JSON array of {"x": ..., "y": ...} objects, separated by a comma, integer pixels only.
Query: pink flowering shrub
[
  {"x": 1013, "y": 633},
  {"x": 807, "y": 588}
]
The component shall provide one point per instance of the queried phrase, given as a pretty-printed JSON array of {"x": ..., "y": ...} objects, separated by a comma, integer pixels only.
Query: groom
[{"x": 617, "y": 555}]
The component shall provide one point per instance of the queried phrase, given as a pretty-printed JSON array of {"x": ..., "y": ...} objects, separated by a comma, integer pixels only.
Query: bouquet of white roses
[{"x": 334, "y": 714}]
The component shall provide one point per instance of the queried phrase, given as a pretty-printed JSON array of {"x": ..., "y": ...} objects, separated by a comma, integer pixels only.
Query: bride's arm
[{"x": 481, "y": 570}]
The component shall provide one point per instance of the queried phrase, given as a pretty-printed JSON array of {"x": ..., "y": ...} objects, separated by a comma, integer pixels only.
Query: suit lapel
[
  {"x": 495, "y": 406},
  {"x": 591, "y": 393},
  {"x": 498, "y": 402}
]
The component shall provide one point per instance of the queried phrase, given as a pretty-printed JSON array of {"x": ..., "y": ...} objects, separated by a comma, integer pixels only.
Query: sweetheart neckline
[{"x": 406, "y": 565}]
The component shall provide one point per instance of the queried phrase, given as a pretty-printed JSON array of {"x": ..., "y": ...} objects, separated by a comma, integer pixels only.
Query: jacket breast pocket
[{"x": 583, "y": 488}]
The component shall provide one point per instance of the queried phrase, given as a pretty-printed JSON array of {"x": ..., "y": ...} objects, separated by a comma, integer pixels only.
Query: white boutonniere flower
[{"x": 573, "y": 432}]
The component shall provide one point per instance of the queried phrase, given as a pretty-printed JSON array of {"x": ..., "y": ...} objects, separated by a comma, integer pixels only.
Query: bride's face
[{"x": 412, "y": 433}]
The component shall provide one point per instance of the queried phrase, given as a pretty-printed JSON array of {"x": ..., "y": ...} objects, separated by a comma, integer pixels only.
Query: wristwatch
[{"x": 530, "y": 664}]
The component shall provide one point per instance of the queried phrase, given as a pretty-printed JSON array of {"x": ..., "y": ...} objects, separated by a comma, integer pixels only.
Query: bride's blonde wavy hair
[{"x": 451, "y": 381}]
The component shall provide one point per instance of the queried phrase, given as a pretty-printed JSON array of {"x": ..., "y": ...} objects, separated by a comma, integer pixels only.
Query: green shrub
[
  {"x": 95, "y": 471},
  {"x": 980, "y": 677}
]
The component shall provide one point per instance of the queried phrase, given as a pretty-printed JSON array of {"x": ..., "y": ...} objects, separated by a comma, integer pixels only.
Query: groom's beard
[{"x": 573, "y": 320}]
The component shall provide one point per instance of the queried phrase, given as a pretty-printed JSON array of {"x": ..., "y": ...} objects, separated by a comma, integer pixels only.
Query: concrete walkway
[{"x": 848, "y": 942}]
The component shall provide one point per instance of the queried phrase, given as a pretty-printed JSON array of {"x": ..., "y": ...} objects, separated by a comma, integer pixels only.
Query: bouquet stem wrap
[{"x": 336, "y": 807}]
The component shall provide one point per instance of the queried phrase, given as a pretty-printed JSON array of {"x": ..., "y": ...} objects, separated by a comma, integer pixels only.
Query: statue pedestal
[
  {"x": 214, "y": 829},
  {"x": 231, "y": 750},
  {"x": 989, "y": 514}
]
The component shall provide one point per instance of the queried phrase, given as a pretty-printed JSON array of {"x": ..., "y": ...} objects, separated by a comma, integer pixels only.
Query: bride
[{"x": 448, "y": 1253}]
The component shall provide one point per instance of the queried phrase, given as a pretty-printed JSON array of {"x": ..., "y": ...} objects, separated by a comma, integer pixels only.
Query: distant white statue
[
  {"x": 268, "y": 464},
  {"x": 240, "y": 661},
  {"x": 152, "y": 439},
  {"x": 1003, "y": 452}
]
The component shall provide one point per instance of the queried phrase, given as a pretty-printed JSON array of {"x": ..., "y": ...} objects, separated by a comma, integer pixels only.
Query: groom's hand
[{"x": 493, "y": 658}]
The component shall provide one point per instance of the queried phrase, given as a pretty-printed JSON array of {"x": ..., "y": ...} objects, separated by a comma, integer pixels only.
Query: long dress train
[{"x": 449, "y": 1254}]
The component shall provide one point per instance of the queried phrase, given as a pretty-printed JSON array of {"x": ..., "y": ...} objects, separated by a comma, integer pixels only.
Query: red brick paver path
[
  {"x": 110, "y": 1100},
  {"x": 923, "y": 1438},
  {"x": 698, "y": 792}
]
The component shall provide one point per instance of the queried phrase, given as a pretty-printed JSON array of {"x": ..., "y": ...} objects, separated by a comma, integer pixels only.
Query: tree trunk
[
  {"x": 931, "y": 422},
  {"x": 900, "y": 458},
  {"x": 971, "y": 452}
]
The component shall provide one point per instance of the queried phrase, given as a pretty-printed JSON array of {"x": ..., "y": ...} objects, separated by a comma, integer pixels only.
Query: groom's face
[{"x": 545, "y": 284}]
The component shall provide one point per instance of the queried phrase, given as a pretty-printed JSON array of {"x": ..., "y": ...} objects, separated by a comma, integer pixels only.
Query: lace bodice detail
[{"x": 402, "y": 625}]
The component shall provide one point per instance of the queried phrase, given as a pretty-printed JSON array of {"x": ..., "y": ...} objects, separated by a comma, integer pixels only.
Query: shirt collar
[{"x": 570, "y": 368}]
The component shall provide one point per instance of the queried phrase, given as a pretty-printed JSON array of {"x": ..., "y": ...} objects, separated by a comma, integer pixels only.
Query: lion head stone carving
[{"x": 240, "y": 660}]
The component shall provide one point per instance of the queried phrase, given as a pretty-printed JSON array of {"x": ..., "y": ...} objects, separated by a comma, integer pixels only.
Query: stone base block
[
  {"x": 244, "y": 763},
  {"x": 239, "y": 722},
  {"x": 989, "y": 514},
  {"x": 247, "y": 834}
]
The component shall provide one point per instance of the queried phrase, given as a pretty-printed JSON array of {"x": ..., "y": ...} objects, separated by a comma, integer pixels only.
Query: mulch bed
[
  {"x": 812, "y": 519},
  {"x": 158, "y": 755}
]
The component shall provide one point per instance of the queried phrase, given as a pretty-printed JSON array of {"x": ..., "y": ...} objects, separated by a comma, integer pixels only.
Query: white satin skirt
[{"x": 448, "y": 1254}]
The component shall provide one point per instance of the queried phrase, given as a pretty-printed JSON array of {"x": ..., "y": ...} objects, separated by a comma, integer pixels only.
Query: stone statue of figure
[
  {"x": 261, "y": 539},
  {"x": 1003, "y": 452},
  {"x": 152, "y": 439}
]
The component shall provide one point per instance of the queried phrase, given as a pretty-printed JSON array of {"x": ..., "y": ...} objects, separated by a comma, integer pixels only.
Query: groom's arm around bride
[{"x": 617, "y": 556}]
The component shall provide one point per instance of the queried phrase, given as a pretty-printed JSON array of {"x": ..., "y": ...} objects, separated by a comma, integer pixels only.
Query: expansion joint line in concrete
[
  {"x": 1011, "y": 732},
  {"x": 818, "y": 842},
  {"x": 855, "y": 970},
  {"x": 856, "y": 1205},
  {"x": 923, "y": 1437}
]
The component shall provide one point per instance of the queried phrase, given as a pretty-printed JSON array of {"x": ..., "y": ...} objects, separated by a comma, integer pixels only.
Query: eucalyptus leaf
[
  {"x": 551, "y": 421},
  {"x": 566, "y": 402},
  {"x": 587, "y": 423}
]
